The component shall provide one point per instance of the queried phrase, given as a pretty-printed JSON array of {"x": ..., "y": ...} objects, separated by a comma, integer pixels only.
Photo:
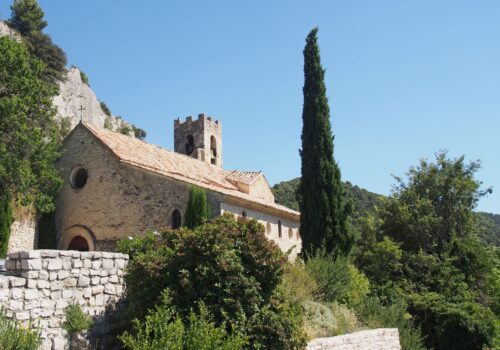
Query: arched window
[
  {"x": 290, "y": 233},
  {"x": 213, "y": 150},
  {"x": 176, "y": 219},
  {"x": 189, "y": 144},
  {"x": 268, "y": 228},
  {"x": 280, "y": 233},
  {"x": 78, "y": 177},
  {"x": 244, "y": 214},
  {"x": 79, "y": 243}
]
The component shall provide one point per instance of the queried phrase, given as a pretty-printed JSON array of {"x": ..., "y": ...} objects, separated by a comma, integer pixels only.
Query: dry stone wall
[
  {"x": 373, "y": 339},
  {"x": 40, "y": 284}
]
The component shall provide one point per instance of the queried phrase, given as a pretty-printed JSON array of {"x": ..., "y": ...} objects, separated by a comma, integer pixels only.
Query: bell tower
[{"x": 200, "y": 139}]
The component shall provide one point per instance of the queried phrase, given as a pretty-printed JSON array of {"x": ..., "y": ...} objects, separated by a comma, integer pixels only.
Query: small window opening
[
  {"x": 176, "y": 219},
  {"x": 268, "y": 228},
  {"x": 280, "y": 233},
  {"x": 243, "y": 216},
  {"x": 78, "y": 178},
  {"x": 189, "y": 144},
  {"x": 290, "y": 233},
  {"x": 213, "y": 150}
]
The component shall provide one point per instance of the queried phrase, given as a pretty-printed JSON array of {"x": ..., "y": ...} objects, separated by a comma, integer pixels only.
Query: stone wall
[
  {"x": 373, "y": 339},
  {"x": 23, "y": 230},
  {"x": 40, "y": 284}
]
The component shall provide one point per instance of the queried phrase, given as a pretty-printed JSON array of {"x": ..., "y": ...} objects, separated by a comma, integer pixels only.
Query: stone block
[
  {"x": 31, "y": 304},
  {"x": 31, "y": 283},
  {"x": 69, "y": 282},
  {"x": 48, "y": 253},
  {"x": 97, "y": 289},
  {"x": 67, "y": 294},
  {"x": 56, "y": 285},
  {"x": 58, "y": 343},
  {"x": 31, "y": 264},
  {"x": 17, "y": 293},
  {"x": 17, "y": 282},
  {"x": 61, "y": 304},
  {"x": 83, "y": 281},
  {"x": 87, "y": 263},
  {"x": 30, "y": 294},
  {"x": 10, "y": 264},
  {"x": 54, "y": 264},
  {"x": 31, "y": 254},
  {"x": 120, "y": 263},
  {"x": 108, "y": 264},
  {"x": 42, "y": 284},
  {"x": 63, "y": 274},
  {"x": 15, "y": 305},
  {"x": 56, "y": 295},
  {"x": 96, "y": 264},
  {"x": 113, "y": 279},
  {"x": 67, "y": 263},
  {"x": 95, "y": 280},
  {"x": 53, "y": 276},
  {"x": 77, "y": 263},
  {"x": 87, "y": 292},
  {"x": 30, "y": 274},
  {"x": 110, "y": 289}
]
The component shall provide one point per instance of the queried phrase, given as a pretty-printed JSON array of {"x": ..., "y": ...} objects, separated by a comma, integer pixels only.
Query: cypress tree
[
  {"x": 5, "y": 222},
  {"x": 197, "y": 211},
  {"x": 323, "y": 221}
]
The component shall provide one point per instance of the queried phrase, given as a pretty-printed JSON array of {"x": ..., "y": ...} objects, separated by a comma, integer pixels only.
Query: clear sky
[{"x": 404, "y": 79}]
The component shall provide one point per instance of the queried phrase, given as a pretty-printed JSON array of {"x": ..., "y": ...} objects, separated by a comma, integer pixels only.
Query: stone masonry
[
  {"x": 40, "y": 284},
  {"x": 373, "y": 339}
]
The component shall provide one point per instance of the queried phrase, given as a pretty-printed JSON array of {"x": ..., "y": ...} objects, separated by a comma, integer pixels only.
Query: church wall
[
  {"x": 23, "y": 233},
  {"x": 260, "y": 189},
  {"x": 290, "y": 236},
  {"x": 118, "y": 200}
]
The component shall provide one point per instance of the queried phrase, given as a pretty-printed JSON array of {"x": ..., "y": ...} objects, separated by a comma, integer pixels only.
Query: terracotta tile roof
[
  {"x": 150, "y": 157},
  {"x": 245, "y": 177}
]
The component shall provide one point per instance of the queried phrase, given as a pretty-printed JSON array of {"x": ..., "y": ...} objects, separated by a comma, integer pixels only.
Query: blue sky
[{"x": 404, "y": 79}]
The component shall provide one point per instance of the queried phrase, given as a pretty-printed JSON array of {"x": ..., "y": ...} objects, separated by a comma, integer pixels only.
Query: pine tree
[
  {"x": 323, "y": 222},
  {"x": 27, "y": 19},
  {"x": 197, "y": 211}
]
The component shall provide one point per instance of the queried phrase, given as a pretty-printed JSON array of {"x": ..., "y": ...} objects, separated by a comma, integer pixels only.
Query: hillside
[{"x": 363, "y": 201}]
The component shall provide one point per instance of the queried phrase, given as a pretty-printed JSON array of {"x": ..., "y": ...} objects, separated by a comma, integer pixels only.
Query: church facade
[{"x": 117, "y": 186}]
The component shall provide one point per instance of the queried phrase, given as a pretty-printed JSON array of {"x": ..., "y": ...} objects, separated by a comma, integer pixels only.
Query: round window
[{"x": 79, "y": 178}]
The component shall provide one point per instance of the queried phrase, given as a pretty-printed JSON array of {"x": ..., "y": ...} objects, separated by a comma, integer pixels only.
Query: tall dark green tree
[
  {"x": 323, "y": 221},
  {"x": 27, "y": 19},
  {"x": 5, "y": 222},
  {"x": 197, "y": 211}
]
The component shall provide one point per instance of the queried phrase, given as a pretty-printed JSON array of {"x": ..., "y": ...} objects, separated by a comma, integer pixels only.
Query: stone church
[{"x": 117, "y": 186}]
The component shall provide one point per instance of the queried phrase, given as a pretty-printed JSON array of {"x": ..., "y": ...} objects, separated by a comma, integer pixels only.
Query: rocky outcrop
[
  {"x": 77, "y": 101},
  {"x": 5, "y": 30}
]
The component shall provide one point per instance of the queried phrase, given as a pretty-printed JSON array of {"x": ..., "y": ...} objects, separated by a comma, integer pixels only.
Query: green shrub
[
  {"x": 76, "y": 320},
  {"x": 108, "y": 124},
  {"x": 14, "y": 336},
  {"x": 105, "y": 108},
  {"x": 328, "y": 320},
  {"x": 299, "y": 282},
  {"x": 373, "y": 314},
  {"x": 163, "y": 328},
  {"x": 337, "y": 279},
  {"x": 139, "y": 133},
  {"x": 6, "y": 220},
  {"x": 229, "y": 266},
  {"x": 84, "y": 77},
  {"x": 125, "y": 129}
]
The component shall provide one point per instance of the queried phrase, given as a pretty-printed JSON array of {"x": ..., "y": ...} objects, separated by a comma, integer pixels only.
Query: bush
[
  {"x": 328, "y": 320},
  {"x": 14, "y": 336},
  {"x": 108, "y": 124},
  {"x": 64, "y": 126},
  {"x": 105, "y": 108},
  {"x": 302, "y": 286},
  {"x": 337, "y": 279},
  {"x": 229, "y": 266},
  {"x": 76, "y": 320},
  {"x": 139, "y": 133},
  {"x": 84, "y": 77},
  {"x": 373, "y": 314},
  {"x": 125, "y": 129},
  {"x": 163, "y": 328}
]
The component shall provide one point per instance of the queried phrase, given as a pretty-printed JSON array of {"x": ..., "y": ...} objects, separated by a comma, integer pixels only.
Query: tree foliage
[
  {"x": 29, "y": 144},
  {"x": 197, "y": 210},
  {"x": 229, "y": 266},
  {"x": 426, "y": 233},
  {"x": 27, "y": 19},
  {"x": 323, "y": 211}
]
